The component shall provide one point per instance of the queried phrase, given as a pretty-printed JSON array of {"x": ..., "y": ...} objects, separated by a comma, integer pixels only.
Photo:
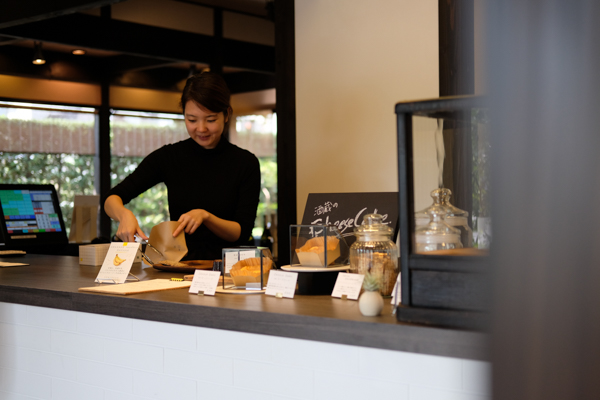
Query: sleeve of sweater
[
  {"x": 249, "y": 197},
  {"x": 148, "y": 173}
]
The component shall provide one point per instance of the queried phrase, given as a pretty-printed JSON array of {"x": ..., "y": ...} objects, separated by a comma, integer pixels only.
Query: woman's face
[{"x": 203, "y": 125}]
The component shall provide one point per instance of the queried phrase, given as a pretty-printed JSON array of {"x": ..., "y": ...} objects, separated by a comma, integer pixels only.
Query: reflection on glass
[
  {"x": 433, "y": 231},
  {"x": 451, "y": 215},
  {"x": 451, "y": 166}
]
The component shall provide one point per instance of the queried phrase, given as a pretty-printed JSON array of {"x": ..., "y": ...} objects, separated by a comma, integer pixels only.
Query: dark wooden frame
[
  {"x": 285, "y": 87},
  {"x": 456, "y": 35},
  {"x": 436, "y": 290}
]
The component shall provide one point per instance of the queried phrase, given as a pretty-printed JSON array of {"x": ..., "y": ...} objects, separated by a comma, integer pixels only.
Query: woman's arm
[
  {"x": 225, "y": 229},
  {"x": 128, "y": 223}
]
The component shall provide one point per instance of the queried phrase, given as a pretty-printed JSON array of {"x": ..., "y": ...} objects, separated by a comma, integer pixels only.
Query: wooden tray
[
  {"x": 152, "y": 285},
  {"x": 189, "y": 268}
]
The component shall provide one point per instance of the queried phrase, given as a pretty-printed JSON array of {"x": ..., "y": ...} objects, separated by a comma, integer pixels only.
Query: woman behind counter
[{"x": 213, "y": 186}]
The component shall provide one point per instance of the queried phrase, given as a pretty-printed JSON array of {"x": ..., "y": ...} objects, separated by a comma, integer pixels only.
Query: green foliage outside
[
  {"x": 268, "y": 172},
  {"x": 71, "y": 174}
]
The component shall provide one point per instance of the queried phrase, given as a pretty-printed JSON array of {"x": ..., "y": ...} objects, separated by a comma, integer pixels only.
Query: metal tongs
[{"x": 147, "y": 245}]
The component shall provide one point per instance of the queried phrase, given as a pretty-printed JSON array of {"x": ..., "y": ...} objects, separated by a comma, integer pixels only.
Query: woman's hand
[
  {"x": 128, "y": 224},
  {"x": 190, "y": 221},
  {"x": 128, "y": 227}
]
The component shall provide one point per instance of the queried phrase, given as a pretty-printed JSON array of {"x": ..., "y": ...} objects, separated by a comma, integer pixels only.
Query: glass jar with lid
[
  {"x": 437, "y": 234},
  {"x": 375, "y": 252},
  {"x": 451, "y": 215},
  {"x": 457, "y": 218}
]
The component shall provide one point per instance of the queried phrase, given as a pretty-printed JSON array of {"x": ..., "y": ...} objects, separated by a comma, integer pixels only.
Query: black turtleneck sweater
[{"x": 225, "y": 181}]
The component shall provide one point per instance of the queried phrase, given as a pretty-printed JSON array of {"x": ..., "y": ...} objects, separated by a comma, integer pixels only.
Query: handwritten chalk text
[{"x": 348, "y": 223}]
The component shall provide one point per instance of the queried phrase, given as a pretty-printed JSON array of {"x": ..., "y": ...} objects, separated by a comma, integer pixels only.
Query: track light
[{"x": 38, "y": 57}]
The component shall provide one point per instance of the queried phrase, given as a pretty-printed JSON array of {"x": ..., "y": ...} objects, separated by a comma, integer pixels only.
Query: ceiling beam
[
  {"x": 120, "y": 71},
  {"x": 126, "y": 63},
  {"x": 14, "y": 13},
  {"x": 81, "y": 30},
  {"x": 241, "y": 82}
]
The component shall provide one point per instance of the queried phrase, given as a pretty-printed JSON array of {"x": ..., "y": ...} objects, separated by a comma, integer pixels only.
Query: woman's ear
[{"x": 229, "y": 112}]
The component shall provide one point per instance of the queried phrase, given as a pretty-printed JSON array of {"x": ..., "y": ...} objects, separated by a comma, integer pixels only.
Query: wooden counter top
[{"x": 53, "y": 281}]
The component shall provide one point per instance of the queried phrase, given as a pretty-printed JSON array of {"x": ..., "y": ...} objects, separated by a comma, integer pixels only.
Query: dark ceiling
[{"x": 126, "y": 53}]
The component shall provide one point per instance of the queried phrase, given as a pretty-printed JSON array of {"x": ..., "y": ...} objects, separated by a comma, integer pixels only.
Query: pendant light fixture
[{"x": 38, "y": 57}]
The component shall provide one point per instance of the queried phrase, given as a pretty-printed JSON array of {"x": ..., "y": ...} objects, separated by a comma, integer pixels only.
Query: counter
[{"x": 52, "y": 282}]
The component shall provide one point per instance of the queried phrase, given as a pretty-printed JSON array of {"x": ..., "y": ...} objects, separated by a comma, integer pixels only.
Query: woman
[{"x": 213, "y": 186}]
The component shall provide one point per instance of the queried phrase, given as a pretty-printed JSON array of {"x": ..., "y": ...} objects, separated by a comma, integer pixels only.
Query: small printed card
[
  {"x": 117, "y": 263},
  {"x": 205, "y": 281},
  {"x": 282, "y": 284},
  {"x": 348, "y": 285},
  {"x": 234, "y": 256},
  {"x": 230, "y": 259},
  {"x": 247, "y": 254}
]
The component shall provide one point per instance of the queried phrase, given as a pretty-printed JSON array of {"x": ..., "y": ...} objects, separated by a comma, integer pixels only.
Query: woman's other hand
[{"x": 190, "y": 221}]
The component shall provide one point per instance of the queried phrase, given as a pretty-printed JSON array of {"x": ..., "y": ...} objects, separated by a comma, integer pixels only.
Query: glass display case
[
  {"x": 318, "y": 253},
  {"x": 246, "y": 268},
  {"x": 444, "y": 203},
  {"x": 317, "y": 246}
]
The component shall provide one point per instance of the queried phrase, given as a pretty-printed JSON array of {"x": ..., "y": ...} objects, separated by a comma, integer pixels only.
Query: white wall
[
  {"x": 66, "y": 355},
  {"x": 354, "y": 61}
]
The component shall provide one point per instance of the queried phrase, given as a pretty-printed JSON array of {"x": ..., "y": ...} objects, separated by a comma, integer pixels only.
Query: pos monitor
[{"x": 30, "y": 217}]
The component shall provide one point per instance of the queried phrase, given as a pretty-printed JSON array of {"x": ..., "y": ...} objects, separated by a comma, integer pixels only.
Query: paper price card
[
  {"x": 247, "y": 254},
  {"x": 231, "y": 258},
  {"x": 282, "y": 284},
  {"x": 118, "y": 262},
  {"x": 205, "y": 282},
  {"x": 348, "y": 285}
]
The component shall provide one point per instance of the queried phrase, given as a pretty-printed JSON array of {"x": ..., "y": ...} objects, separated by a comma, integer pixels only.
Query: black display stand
[{"x": 447, "y": 291}]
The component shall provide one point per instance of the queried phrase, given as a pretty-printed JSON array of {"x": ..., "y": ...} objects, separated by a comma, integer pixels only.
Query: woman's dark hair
[{"x": 209, "y": 90}]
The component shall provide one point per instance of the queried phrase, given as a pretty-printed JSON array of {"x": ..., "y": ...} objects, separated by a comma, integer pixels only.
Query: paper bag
[
  {"x": 84, "y": 220},
  {"x": 161, "y": 237}
]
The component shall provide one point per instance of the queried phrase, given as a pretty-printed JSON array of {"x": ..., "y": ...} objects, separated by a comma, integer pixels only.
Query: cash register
[{"x": 31, "y": 220}]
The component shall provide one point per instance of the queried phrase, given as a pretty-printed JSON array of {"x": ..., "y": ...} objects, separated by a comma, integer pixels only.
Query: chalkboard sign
[{"x": 347, "y": 210}]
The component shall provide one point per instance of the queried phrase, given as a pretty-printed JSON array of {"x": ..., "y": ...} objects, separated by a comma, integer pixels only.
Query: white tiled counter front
[{"x": 48, "y": 353}]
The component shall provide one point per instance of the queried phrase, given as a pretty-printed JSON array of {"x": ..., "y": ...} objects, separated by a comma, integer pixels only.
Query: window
[
  {"x": 258, "y": 134},
  {"x": 56, "y": 145},
  {"x": 49, "y": 144}
]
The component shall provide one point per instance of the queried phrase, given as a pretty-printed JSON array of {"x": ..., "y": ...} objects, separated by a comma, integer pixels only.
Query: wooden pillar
[
  {"x": 285, "y": 76},
  {"x": 456, "y": 47},
  {"x": 102, "y": 158},
  {"x": 457, "y": 77}
]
